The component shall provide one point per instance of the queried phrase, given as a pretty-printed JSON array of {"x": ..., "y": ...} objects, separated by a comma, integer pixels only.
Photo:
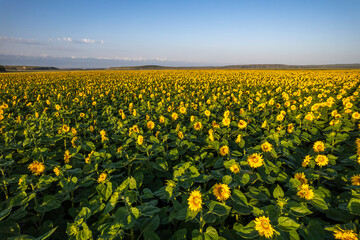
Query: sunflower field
[{"x": 180, "y": 154}]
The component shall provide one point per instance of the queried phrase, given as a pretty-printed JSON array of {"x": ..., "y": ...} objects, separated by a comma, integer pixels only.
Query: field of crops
[{"x": 202, "y": 154}]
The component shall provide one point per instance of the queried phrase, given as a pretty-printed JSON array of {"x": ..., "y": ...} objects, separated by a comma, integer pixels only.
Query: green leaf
[
  {"x": 5, "y": 213},
  {"x": 319, "y": 203},
  {"x": 354, "y": 206},
  {"x": 227, "y": 179},
  {"x": 88, "y": 146},
  {"x": 49, "y": 203},
  {"x": 219, "y": 209},
  {"x": 47, "y": 235},
  {"x": 19, "y": 213},
  {"x": 153, "y": 225},
  {"x": 9, "y": 229},
  {"x": 298, "y": 209},
  {"x": 278, "y": 192},
  {"x": 247, "y": 231},
  {"x": 211, "y": 233},
  {"x": 287, "y": 224},
  {"x": 180, "y": 234},
  {"x": 84, "y": 213},
  {"x": 104, "y": 190},
  {"x": 132, "y": 183}
]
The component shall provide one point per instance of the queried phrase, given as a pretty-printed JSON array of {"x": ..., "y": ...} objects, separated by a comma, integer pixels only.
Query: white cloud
[
  {"x": 83, "y": 40},
  {"x": 20, "y": 41}
]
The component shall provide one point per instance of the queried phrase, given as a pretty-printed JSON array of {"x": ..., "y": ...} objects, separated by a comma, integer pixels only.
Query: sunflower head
[
  {"x": 319, "y": 146},
  {"x": 242, "y": 124},
  {"x": 37, "y": 167},
  {"x": 255, "y": 160},
  {"x": 221, "y": 191},
  {"x": 224, "y": 150},
  {"x": 195, "y": 201},
  {"x": 355, "y": 180},
  {"x": 197, "y": 126},
  {"x": 264, "y": 227},
  {"x": 304, "y": 191},
  {"x": 321, "y": 160},
  {"x": 266, "y": 147}
]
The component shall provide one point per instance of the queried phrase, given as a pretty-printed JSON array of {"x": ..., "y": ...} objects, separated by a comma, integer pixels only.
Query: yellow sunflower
[
  {"x": 197, "y": 126},
  {"x": 319, "y": 146},
  {"x": 255, "y": 160},
  {"x": 264, "y": 227},
  {"x": 344, "y": 234},
  {"x": 140, "y": 140},
  {"x": 37, "y": 167},
  {"x": 195, "y": 201},
  {"x": 321, "y": 160},
  {"x": 242, "y": 124},
  {"x": 305, "y": 192},
  {"x": 150, "y": 125},
  {"x": 226, "y": 122},
  {"x": 102, "y": 177},
  {"x": 301, "y": 177},
  {"x": 235, "y": 168},
  {"x": 266, "y": 147},
  {"x": 221, "y": 191},
  {"x": 224, "y": 150},
  {"x": 355, "y": 180}
]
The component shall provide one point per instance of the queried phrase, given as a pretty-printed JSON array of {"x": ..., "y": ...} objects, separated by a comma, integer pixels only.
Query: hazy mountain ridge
[{"x": 27, "y": 63}]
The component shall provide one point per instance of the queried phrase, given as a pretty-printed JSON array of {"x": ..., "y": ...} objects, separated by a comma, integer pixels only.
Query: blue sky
[{"x": 194, "y": 32}]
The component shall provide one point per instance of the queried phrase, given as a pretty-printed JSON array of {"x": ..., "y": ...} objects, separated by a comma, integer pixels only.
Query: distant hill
[
  {"x": 28, "y": 68},
  {"x": 2, "y": 68},
  {"x": 249, "y": 66}
]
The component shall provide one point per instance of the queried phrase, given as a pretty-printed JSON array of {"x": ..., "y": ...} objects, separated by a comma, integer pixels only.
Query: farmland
[{"x": 185, "y": 154}]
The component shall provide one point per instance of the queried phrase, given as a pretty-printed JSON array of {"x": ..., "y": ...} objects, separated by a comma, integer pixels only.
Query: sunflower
[
  {"x": 305, "y": 192},
  {"x": 224, "y": 150},
  {"x": 319, "y": 146},
  {"x": 238, "y": 138},
  {"x": 355, "y": 180},
  {"x": 280, "y": 117},
  {"x": 180, "y": 135},
  {"x": 356, "y": 115},
  {"x": 301, "y": 177},
  {"x": 102, "y": 177},
  {"x": 321, "y": 160},
  {"x": 192, "y": 118},
  {"x": 309, "y": 117},
  {"x": 207, "y": 113},
  {"x": 140, "y": 140},
  {"x": 242, "y": 124},
  {"x": 182, "y": 110},
  {"x": 37, "y": 167},
  {"x": 235, "y": 168},
  {"x": 266, "y": 147},
  {"x": 65, "y": 128},
  {"x": 226, "y": 121},
  {"x": 255, "y": 160},
  {"x": 150, "y": 125},
  {"x": 67, "y": 156},
  {"x": 263, "y": 227},
  {"x": 195, "y": 201},
  {"x": 57, "y": 171},
  {"x": 197, "y": 126},
  {"x": 161, "y": 119},
  {"x": 290, "y": 128},
  {"x": 344, "y": 234},
  {"x": 174, "y": 116},
  {"x": 221, "y": 191}
]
